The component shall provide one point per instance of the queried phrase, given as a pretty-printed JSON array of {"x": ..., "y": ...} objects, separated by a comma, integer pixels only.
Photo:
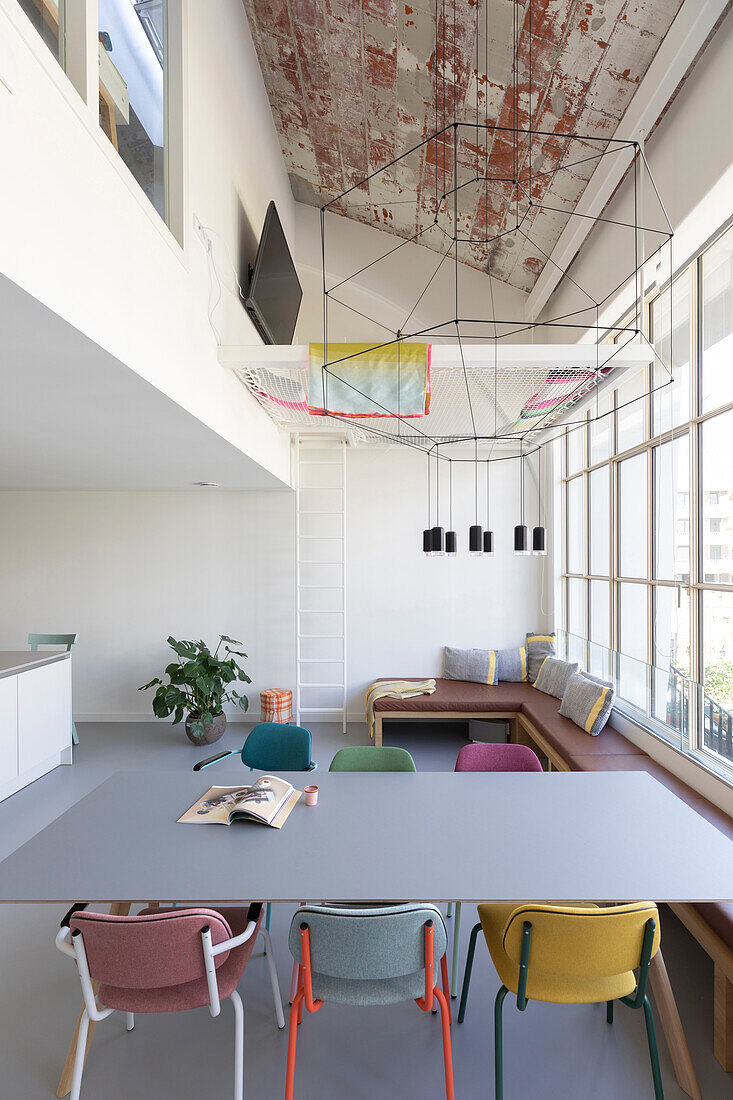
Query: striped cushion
[
  {"x": 539, "y": 646},
  {"x": 587, "y": 702},
  {"x": 510, "y": 665},
  {"x": 553, "y": 676}
]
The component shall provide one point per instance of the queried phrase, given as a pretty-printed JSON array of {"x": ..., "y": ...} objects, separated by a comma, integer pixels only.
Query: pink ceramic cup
[{"x": 311, "y": 794}]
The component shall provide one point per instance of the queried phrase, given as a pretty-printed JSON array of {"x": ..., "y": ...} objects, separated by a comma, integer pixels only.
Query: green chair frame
[
  {"x": 65, "y": 641},
  {"x": 372, "y": 758},
  {"x": 638, "y": 1000}
]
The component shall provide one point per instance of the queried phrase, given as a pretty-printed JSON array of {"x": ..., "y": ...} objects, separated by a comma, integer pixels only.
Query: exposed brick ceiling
[{"x": 355, "y": 83}]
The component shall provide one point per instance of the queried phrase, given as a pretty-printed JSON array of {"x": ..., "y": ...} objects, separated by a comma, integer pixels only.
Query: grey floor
[{"x": 551, "y": 1053}]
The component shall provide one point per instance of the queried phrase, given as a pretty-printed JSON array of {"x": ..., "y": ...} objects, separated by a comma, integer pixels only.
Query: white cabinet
[
  {"x": 8, "y": 728},
  {"x": 44, "y": 713}
]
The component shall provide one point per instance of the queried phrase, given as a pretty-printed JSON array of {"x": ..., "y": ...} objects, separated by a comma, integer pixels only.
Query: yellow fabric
[
  {"x": 539, "y": 670},
  {"x": 579, "y": 954},
  {"x": 523, "y": 659},
  {"x": 491, "y": 678},
  {"x": 540, "y": 637},
  {"x": 396, "y": 689},
  {"x": 595, "y": 710}
]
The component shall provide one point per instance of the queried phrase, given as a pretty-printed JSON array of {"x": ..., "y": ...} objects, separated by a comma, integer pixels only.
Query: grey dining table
[{"x": 435, "y": 836}]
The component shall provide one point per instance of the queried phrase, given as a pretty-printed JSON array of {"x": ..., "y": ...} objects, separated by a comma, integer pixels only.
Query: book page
[{"x": 220, "y": 805}]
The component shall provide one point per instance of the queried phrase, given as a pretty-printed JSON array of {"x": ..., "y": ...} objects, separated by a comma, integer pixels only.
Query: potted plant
[{"x": 199, "y": 683}]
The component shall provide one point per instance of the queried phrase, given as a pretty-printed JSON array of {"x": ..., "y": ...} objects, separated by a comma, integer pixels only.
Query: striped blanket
[{"x": 395, "y": 689}]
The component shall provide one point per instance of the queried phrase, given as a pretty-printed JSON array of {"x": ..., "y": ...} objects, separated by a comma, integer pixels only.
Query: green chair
[
  {"x": 59, "y": 641},
  {"x": 372, "y": 758}
]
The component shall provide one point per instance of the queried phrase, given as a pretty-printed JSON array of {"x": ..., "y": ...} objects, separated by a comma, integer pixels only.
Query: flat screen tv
[{"x": 274, "y": 293}]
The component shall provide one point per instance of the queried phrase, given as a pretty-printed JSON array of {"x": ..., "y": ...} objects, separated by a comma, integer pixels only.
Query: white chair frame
[{"x": 73, "y": 946}]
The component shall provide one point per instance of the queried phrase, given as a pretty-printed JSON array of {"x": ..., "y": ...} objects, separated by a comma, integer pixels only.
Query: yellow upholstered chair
[{"x": 569, "y": 954}]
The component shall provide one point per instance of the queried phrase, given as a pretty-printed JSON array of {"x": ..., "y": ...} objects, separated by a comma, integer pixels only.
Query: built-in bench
[{"x": 535, "y": 720}]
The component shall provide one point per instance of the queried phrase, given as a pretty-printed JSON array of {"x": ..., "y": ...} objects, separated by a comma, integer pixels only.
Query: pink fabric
[
  {"x": 154, "y": 962},
  {"x": 497, "y": 758}
]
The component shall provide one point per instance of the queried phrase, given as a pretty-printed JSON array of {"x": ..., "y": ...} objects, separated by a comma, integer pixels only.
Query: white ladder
[{"x": 319, "y": 470}]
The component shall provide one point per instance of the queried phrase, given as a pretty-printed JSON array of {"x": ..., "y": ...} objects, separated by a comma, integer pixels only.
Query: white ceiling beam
[{"x": 691, "y": 27}]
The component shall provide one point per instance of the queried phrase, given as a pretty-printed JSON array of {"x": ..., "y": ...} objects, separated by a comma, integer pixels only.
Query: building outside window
[
  {"x": 48, "y": 17},
  {"x": 648, "y": 579},
  {"x": 132, "y": 90}
]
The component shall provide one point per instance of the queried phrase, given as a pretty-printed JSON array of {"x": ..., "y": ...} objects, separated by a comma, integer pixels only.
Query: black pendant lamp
[
  {"x": 521, "y": 544},
  {"x": 437, "y": 534},
  {"x": 451, "y": 540},
  {"x": 427, "y": 535},
  {"x": 539, "y": 535},
  {"x": 488, "y": 533},
  {"x": 475, "y": 533}
]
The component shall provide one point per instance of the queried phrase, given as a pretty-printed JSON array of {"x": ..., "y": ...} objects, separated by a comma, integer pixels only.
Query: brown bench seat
[{"x": 536, "y": 721}]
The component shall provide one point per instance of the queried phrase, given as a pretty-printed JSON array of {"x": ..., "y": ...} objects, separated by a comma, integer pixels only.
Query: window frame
[{"x": 695, "y": 587}]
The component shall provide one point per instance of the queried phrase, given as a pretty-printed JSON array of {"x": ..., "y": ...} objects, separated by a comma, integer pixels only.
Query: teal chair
[
  {"x": 59, "y": 641},
  {"x": 372, "y": 758}
]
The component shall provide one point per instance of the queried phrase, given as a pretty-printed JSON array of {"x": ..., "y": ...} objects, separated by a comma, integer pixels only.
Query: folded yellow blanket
[{"x": 395, "y": 689}]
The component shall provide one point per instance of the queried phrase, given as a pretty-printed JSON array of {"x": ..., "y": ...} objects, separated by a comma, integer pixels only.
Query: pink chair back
[
  {"x": 497, "y": 758},
  {"x": 150, "y": 951}
]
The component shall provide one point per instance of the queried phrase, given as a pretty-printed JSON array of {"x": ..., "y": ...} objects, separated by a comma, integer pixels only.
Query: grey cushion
[
  {"x": 511, "y": 665},
  {"x": 467, "y": 664},
  {"x": 539, "y": 646},
  {"x": 587, "y": 702},
  {"x": 369, "y": 955},
  {"x": 554, "y": 675}
]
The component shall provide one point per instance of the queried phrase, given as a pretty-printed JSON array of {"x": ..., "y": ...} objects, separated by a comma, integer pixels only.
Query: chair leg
[
  {"x": 444, "y": 1003},
  {"x": 469, "y": 966},
  {"x": 456, "y": 946},
  {"x": 449, "y": 911},
  {"x": 268, "y": 915},
  {"x": 444, "y": 980},
  {"x": 295, "y": 1010},
  {"x": 81, "y": 1049},
  {"x": 294, "y": 982},
  {"x": 74, "y": 734},
  {"x": 609, "y": 1012},
  {"x": 273, "y": 978},
  {"x": 130, "y": 1022},
  {"x": 653, "y": 1052},
  {"x": 499, "y": 1045},
  {"x": 238, "y": 1045}
]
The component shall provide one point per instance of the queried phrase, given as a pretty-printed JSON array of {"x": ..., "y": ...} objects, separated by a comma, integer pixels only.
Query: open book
[{"x": 269, "y": 800}]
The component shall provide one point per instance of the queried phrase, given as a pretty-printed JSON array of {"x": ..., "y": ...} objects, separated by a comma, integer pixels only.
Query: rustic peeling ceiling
[{"x": 355, "y": 83}]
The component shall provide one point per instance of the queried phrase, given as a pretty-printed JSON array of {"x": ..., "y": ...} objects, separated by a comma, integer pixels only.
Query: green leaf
[
  {"x": 243, "y": 702},
  {"x": 233, "y": 641},
  {"x": 178, "y": 715}
]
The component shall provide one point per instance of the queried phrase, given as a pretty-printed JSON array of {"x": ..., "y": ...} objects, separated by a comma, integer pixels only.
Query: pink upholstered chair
[
  {"x": 164, "y": 960},
  {"x": 481, "y": 757}
]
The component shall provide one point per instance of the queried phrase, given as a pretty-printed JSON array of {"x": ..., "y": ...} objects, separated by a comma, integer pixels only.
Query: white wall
[
  {"x": 691, "y": 157},
  {"x": 124, "y": 570},
  {"x": 389, "y": 289},
  {"x": 402, "y": 607},
  {"x": 79, "y": 234}
]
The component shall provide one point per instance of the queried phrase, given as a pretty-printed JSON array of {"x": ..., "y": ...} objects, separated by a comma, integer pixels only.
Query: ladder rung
[
  {"x": 321, "y": 685},
  {"x": 320, "y": 585},
  {"x": 321, "y": 660},
  {"x": 331, "y": 562},
  {"x": 325, "y": 637},
  {"x": 321, "y": 462},
  {"x": 322, "y": 538},
  {"x": 324, "y": 710},
  {"x": 321, "y": 512},
  {"x": 321, "y": 611}
]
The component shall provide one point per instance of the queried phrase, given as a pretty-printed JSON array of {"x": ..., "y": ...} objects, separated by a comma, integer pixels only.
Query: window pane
[
  {"x": 630, "y": 412},
  {"x": 131, "y": 81},
  {"x": 600, "y": 618},
  {"x": 716, "y": 566},
  {"x": 672, "y": 658},
  {"x": 576, "y": 448},
  {"x": 672, "y": 510},
  {"x": 632, "y": 645},
  {"x": 47, "y": 16},
  {"x": 600, "y": 519},
  {"x": 576, "y": 525},
  {"x": 671, "y": 400},
  {"x": 576, "y": 608},
  {"x": 632, "y": 507},
  {"x": 717, "y": 323},
  {"x": 601, "y": 424},
  {"x": 717, "y": 637}
]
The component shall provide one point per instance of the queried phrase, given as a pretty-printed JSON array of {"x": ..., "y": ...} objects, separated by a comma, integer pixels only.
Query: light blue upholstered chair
[
  {"x": 59, "y": 641},
  {"x": 375, "y": 955}
]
